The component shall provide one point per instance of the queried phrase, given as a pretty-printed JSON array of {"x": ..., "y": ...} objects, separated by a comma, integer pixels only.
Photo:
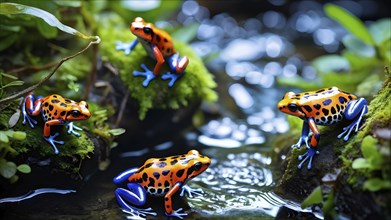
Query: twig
[
  {"x": 122, "y": 109},
  {"x": 31, "y": 88}
]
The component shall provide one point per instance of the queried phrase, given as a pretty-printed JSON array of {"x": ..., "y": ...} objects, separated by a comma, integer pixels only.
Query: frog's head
[
  {"x": 290, "y": 104},
  {"x": 197, "y": 164},
  {"x": 141, "y": 29},
  {"x": 78, "y": 111}
]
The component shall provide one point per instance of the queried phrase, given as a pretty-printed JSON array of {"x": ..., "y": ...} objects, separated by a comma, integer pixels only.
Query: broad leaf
[
  {"x": 314, "y": 198},
  {"x": 13, "y": 8},
  {"x": 361, "y": 163},
  {"x": 349, "y": 22}
]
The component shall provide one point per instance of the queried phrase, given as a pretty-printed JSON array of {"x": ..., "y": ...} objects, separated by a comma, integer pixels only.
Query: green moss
[
  {"x": 378, "y": 116},
  {"x": 196, "y": 84},
  {"x": 72, "y": 152}
]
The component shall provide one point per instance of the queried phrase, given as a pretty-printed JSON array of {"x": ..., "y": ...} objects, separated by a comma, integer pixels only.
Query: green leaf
[
  {"x": 314, "y": 198},
  {"x": 19, "y": 135},
  {"x": 46, "y": 30},
  {"x": 381, "y": 30},
  {"x": 13, "y": 8},
  {"x": 361, "y": 163},
  {"x": 376, "y": 184},
  {"x": 117, "y": 131},
  {"x": 299, "y": 82},
  {"x": 9, "y": 76},
  {"x": 24, "y": 168},
  {"x": 13, "y": 83},
  {"x": 368, "y": 147},
  {"x": 7, "y": 168},
  {"x": 331, "y": 63},
  {"x": 356, "y": 46},
  {"x": 3, "y": 137},
  {"x": 7, "y": 41},
  {"x": 349, "y": 22}
]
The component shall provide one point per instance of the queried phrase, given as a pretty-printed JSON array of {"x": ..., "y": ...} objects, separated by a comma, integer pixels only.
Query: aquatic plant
[{"x": 366, "y": 51}]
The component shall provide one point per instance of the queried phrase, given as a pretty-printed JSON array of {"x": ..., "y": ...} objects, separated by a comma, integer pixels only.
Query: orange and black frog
[
  {"x": 159, "y": 46},
  {"x": 326, "y": 106},
  {"x": 55, "y": 110},
  {"x": 160, "y": 177}
]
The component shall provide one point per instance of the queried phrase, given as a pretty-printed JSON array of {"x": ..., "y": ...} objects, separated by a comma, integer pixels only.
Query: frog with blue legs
[
  {"x": 55, "y": 110},
  {"x": 326, "y": 106},
  {"x": 160, "y": 177},
  {"x": 159, "y": 46}
]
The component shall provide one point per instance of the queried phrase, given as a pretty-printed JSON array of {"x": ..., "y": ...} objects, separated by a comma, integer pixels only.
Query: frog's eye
[
  {"x": 147, "y": 30},
  {"x": 197, "y": 166},
  {"x": 292, "y": 107},
  {"x": 75, "y": 113}
]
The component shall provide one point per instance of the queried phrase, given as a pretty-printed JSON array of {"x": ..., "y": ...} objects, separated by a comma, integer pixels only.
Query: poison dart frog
[
  {"x": 55, "y": 110},
  {"x": 159, "y": 46},
  {"x": 326, "y": 106},
  {"x": 160, "y": 177}
]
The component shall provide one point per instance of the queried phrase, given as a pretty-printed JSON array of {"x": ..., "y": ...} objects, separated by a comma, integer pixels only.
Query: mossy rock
[
  {"x": 338, "y": 155},
  {"x": 71, "y": 153},
  {"x": 195, "y": 85}
]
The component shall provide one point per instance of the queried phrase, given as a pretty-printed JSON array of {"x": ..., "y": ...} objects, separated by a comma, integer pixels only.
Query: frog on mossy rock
[
  {"x": 326, "y": 106},
  {"x": 159, "y": 46},
  {"x": 55, "y": 110}
]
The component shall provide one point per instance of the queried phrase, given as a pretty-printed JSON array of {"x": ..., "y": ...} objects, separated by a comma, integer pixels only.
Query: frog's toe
[
  {"x": 308, "y": 155},
  {"x": 72, "y": 128},
  {"x": 126, "y": 47},
  {"x": 31, "y": 121},
  {"x": 190, "y": 191},
  {"x": 148, "y": 74},
  {"x": 53, "y": 142},
  {"x": 173, "y": 76},
  {"x": 177, "y": 213}
]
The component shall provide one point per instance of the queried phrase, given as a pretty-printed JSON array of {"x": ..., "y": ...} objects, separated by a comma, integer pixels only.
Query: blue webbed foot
[
  {"x": 53, "y": 142},
  {"x": 177, "y": 213},
  {"x": 30, "y": 120},
  {"x": 148, "y": 74},
  {"x": 72, "y": 128},
  {"x": 173, "y": 76},
  {"x": 309, "y": 155},
  {"x": 302, "y": 140},
  {"x": 126, "y": 47},
  {"x": 190, "y": 191}
]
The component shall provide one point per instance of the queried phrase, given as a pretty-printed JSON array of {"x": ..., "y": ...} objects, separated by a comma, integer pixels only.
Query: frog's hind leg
[
  {"x": 356, "y": 109},
  {"x": 177, "y": 66},
  {"x": 134, "y": 195},
  {"x": 31, "y": 106}
]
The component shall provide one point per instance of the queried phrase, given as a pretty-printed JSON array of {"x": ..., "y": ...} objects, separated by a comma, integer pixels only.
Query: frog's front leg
[
  {"x": 72, "y": 128},
  {"x": 168, "y": 202},
  {"x": 135, "y": 195},
  {"x": 148, "y": 74},
  {"x": 190, "y": 191},
  {"x": 313, "y": 143},
  {"x": 304, "y": 136},
  {"x": 177, "y": 67},
  {"x": 126, "y": 47},
  {"x": 355, "y": 110},
  {"x": 51, "y": 139}
]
